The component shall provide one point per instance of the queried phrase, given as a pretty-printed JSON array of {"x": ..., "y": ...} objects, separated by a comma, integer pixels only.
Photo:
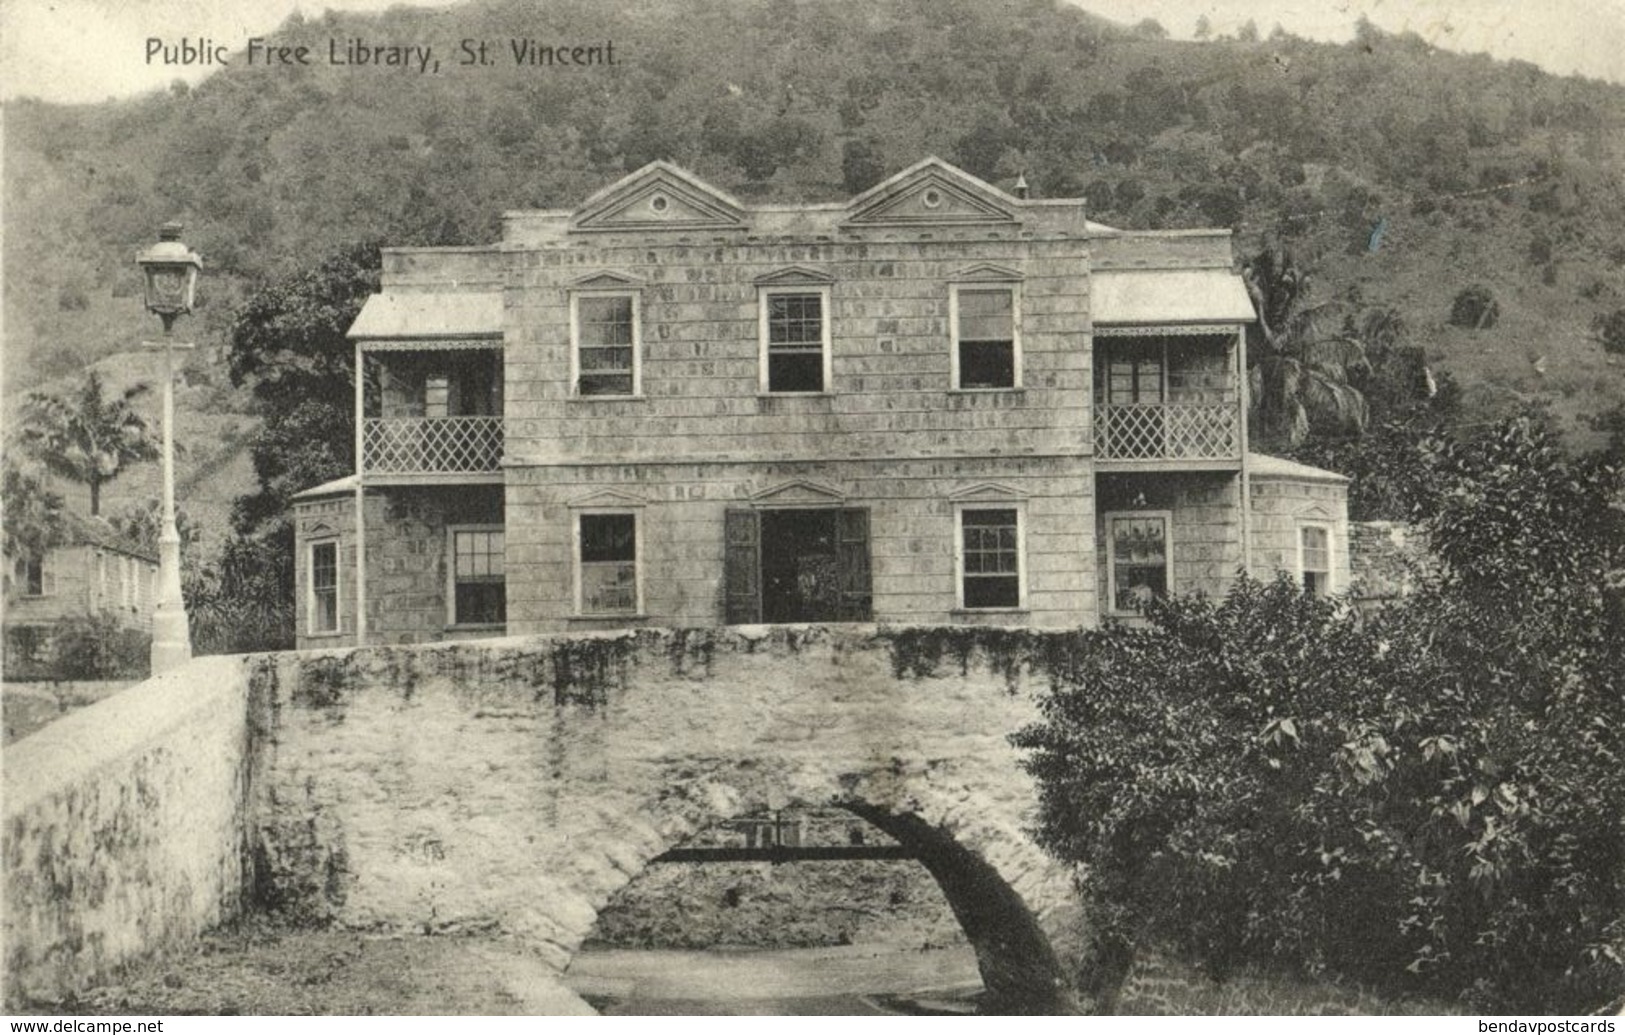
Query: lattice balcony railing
[
  {"x": 1174, "y": 431},
  {"x": 432, "y": 445}
]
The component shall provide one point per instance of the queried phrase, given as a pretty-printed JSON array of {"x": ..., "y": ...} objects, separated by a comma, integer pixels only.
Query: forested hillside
[{"x": 1398, "y": 175}]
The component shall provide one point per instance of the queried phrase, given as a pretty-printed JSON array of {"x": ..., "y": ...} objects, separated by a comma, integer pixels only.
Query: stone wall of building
[
  {"x": 1206, "y": 526},
  {"x": 125, "y": 828},
  {"x": 1281, "y": 506},
  {"x": 407, "y": 544},
  {"x": 1385, "y": 559},
  {"x": 86, "y": 579},
  {"x": 911, "y": 527}
]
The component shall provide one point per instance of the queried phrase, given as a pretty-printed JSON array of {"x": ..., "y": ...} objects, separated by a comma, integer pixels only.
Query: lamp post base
[{"x": 171, "y": 638}]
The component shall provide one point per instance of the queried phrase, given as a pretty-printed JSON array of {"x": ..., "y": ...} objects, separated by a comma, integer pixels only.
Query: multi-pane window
[
  {"x": 985, "y": 354},
  {"x": 1138, "y": 544},
  {"x": 1134, "y": 379},
  {"x": 608, "y": 565},
  {"x": 795, "y": 337},
  {"x": 990, "y": 553},
  {"x": 606, "y": 345},
  {"x": 324, "y": 587},
  {"x": 478, "y": 577},
  {"x": 1315, "y": 559}
]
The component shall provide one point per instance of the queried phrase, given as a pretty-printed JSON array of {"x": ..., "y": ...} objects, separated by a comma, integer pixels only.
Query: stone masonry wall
[
  {"x": 911, "y": 527},
  {"x": 1280, "y": 507},
  {"x": 124, "y": 828},
  {"x": 515, "y": 785}
]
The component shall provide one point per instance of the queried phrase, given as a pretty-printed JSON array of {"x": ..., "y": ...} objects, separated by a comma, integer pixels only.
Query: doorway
[{"x": 798, "y": 565}]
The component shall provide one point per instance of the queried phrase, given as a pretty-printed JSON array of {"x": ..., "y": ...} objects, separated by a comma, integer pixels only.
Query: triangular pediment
[
  {"x": 799, "y": 492},
  {"x": 659, "y": 196},
  {"x": 608, "y": 499},
  {"x": 317, "y": 528},
  {"x": 1315, "y": 512},
  {"x": 988, "y": 272},
  {"x": 794, "y": 275},
  {"x": 985, "y": 491},
  {"x": 931, "y": 192},
  {"x": 606, "y": 280}
]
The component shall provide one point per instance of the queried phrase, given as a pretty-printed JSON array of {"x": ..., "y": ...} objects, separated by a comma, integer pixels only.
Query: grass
[{"x": 1159, "y": 985}]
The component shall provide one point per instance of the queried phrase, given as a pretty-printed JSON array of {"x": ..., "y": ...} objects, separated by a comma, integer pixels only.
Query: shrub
[
  {"x": 1425, "y": 799},
  {"x": 1475, "y": 307},
  {"x": 1610, "y": 330},
  {"x": 96, "y": 647}
]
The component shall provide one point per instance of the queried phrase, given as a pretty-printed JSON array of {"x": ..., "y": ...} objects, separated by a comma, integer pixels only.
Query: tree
[
  {"x": 1610, "y": 331},
  {"x": 1300, "y": 374},
  {"x": 86, "y": 437},
  {"x": 33, "y": 513}
]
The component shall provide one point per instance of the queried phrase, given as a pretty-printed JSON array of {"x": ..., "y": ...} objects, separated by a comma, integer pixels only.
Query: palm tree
[
  {"x": 85, "y": 437},
  {"x": 1300, "y": 373}
]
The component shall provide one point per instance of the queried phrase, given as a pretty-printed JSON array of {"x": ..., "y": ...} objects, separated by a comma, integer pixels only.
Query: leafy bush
[
  {"x": 97, "y": 647},
  {"x": 1426, "y": 799},
  {"x": 1475, "y": 307},
  {"x": 1610, "y": 330}
]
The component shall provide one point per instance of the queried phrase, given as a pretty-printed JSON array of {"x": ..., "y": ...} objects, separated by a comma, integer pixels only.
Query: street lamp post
[{"x": 170, "y": 270}]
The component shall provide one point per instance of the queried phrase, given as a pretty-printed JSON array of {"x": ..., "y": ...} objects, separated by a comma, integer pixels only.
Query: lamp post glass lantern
[{"x": 170, "y": 271}]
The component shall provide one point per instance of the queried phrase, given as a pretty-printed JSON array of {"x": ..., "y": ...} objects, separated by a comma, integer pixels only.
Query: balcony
[
  {"x": 432, "y": 445},
  {"x": 1171, "y": 431},
  {"x": 1168, "y": 399}
]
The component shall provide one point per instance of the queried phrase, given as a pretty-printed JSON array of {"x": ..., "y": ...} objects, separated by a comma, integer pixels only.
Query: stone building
[
  {"x": 935, "y": 403},
  {"x": 93, "y": 571}
]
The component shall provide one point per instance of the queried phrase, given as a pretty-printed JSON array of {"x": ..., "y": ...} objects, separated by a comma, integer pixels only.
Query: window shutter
[
  {"x": 741, "y": 566},
  {"x": 857, "y": 594}
]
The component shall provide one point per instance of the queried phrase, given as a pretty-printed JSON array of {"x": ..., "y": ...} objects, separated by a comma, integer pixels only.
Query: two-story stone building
[{"x": 935, "y": 403}]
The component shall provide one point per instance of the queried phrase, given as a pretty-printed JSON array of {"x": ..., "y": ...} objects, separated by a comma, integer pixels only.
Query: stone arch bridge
[{"x": 515, "y": 785}]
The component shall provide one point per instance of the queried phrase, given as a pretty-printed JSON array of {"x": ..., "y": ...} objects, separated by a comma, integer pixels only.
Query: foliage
[
  {"x": 243, "y": 601},
  {"x": 98, "y": 647},
  {"x": 86, "y": 437},
  {"x": 1475, "y": 308},
  {"x": 1301, "y": 372},
  {"x": 1425, "y": 800},
  {"x": 1610, "y": 331},
  {"x": 32, "y": 512}
]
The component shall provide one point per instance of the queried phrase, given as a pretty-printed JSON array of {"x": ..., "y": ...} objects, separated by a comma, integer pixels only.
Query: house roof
[
  {"x": 437, "y": 314},
  {"x": 337, "y": 485},
  {"x": 94, "y": 531},
  {"x": 1260, "y": 465},
  {"x": 1170, "y": 296}
]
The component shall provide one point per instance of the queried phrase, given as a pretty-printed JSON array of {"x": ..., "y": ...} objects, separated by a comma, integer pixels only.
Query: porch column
[{"x": 360, "y": 499}]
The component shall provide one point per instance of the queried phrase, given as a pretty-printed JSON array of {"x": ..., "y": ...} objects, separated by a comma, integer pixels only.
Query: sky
[{"x": 81, "y": 51}]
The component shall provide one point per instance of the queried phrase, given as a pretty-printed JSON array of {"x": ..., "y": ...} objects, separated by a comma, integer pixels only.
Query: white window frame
[
  {"x": 1331, "y": 548},
  {"x": 45, "y": 588},
  {"x": 639, "y": 551},
  {"x": 1167, "y": 517},
  {"x": 1020, "y": 508},
  {"x": 310, "y": 588},
  {"x": 451, "y": 574},
  {"x": 763, "y": 294},
  {"x": 575, "y": 340},
  {"x": 1014, "y": 287}
]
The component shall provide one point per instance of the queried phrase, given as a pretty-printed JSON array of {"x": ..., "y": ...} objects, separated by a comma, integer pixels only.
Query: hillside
[{"x": 1399, "y": 174}]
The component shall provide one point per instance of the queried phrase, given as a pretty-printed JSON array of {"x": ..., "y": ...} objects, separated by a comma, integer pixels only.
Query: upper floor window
[
  {"x": 1138, "y": 562},
  {"x": 987, "y": 347},
  {"x": 605, "y": 352},
  {"x": 323, "y": 604},
  {"x": 478, "y": 572},
  {"x": 607, "y": 563},
  {"x": 795, "y": 340},
  {"x": 1315, "y": 559},
  {"x": 990, "y": 555}
]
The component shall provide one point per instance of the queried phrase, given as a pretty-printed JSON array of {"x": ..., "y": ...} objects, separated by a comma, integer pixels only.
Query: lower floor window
[
  {"x": 1315, "y": 559},
  {"x": 608, "y": 564},
  {"x": 990, "y": 545},
  {"x": 479, "y": 577},
  {"x": 1138, "y": 565},
  {"x": 324, "y": 587}
]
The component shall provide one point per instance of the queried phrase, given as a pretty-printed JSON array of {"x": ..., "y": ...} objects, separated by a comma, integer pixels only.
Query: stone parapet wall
[{"x": 124, "y": 828}]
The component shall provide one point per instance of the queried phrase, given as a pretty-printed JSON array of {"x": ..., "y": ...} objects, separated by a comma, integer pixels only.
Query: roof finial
[{"x": 1021, "y": 187}]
